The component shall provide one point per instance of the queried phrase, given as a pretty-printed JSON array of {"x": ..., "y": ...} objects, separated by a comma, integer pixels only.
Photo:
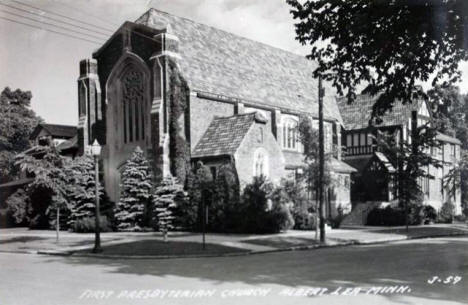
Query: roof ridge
[
  {"x": 235, "y": 115},
  {"x": 231, "y": 33}
]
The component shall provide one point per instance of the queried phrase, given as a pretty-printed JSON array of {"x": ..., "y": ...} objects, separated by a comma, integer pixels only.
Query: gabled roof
[
  {"x": 225, "y": 134},
  {"x": 448, "y": 139},
  {"x": 219, "y": 62},
  {"x": 384, "y": 160},
  {"x": 68, "y": 144},
  {"x": 55, "y": 130},
  {"x": 339, "y": 166},
  {"x": 358, "y": 163},
  {"x": 358, "y": 114}
]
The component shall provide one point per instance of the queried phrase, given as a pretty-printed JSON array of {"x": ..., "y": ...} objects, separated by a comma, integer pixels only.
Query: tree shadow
[
  {"x": 411, "y": 264},
  {"x": 22, "y": 239}
]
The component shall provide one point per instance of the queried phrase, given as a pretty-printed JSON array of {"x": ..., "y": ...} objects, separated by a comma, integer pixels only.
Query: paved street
[{"x": 393, "y": 273}]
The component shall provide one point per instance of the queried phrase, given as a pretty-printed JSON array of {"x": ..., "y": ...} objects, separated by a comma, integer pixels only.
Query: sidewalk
[{"x": 150, "y": 244}]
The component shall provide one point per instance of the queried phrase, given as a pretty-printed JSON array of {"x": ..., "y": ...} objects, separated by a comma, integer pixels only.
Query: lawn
[
  {"x": 422, "y": 231},
  {"x": 170, "y": 248},
  {"x": 281, "y": 242}
]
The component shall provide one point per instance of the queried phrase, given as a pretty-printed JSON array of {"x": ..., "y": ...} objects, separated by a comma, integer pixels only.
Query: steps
[{"x": 358, "y": 215}]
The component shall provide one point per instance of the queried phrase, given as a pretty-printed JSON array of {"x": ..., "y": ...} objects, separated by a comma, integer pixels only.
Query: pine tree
[
  {"x": 135, "y": 193},
  {"x": 83, "y": 189},
  {"x": 165, "y": 200}
]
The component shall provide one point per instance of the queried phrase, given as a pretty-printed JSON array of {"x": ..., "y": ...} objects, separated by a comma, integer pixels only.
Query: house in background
[
  {"x": 128, "y": 89},
  {"x": 374, "y": 181},
  {"x": 64, "y": 137}
]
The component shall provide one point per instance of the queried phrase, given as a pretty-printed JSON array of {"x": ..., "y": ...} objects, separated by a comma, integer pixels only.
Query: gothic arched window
[
  {"x": 133, "y": 97},
  {"x": 260, "y": 163},
  {"x": 290, "y": 137}
]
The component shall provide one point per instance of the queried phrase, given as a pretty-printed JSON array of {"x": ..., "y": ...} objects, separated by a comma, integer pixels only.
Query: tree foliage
[
  {"x": 17, "y": 206},
  {"x": 50, "y": 185},
  {"x": 450, "y": 107},
  {"x": 309, "y": 138},
  {"x": 165, "y": 200},
  {"x": 386, "y": 47},
  {"x": 17, "y": 121},
  {"x": 412, "y": 159},
  {"x": 135, "y": 193},
  {"x": 82, "y": 193}
]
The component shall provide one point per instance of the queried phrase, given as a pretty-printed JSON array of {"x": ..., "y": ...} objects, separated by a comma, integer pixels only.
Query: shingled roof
[
  {"x": 219, "y": 62},
  {"x": 57, "y": 131},
  {"x": 224, "y": 135},
  {"x": 446, "y": 138},
  {"x": 357, "y": 114}
]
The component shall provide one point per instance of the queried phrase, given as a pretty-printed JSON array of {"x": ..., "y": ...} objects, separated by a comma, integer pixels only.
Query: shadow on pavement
[{"x": 410, "y": 263}]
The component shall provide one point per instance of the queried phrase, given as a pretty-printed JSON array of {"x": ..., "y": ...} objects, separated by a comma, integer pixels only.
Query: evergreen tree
[
  {"x": 82, "y": 193},
  {"x": 165, "y": 200},
  {"x": 135, "y": 193}
]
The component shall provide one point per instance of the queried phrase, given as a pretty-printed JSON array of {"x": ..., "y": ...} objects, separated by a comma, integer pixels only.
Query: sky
[{"x": 47, "y": 63}]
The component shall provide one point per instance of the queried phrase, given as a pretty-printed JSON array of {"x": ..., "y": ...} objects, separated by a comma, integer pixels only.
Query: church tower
[{"x": 89, "y": 105}]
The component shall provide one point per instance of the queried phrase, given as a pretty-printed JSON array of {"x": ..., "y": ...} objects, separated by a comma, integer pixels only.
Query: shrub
[
  {"x": 40, "y": 200},
  {"x": 198, "y": 181},
  {"x": 301, "y": 208},
  {"x": 165, "y": 200},
  {"x": 88, "y": 225},
  {"x": 446, "y": 213},
  {"x": 335, "y": 221},
  {"x": 386, "y": 217},
  {"x": 255, "y": 215},
  {"x": 303, "y": 219},
  {"x": 17, "y": 207},
  {"x": 279, "y": 218},
  {"x": 223, "y": 211},
  {"x": 430, "y": 214},
  {"x": 460, "y": 218}
]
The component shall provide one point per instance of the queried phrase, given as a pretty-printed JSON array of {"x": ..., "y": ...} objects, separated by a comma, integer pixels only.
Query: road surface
[{"x": 409, "y": 272}]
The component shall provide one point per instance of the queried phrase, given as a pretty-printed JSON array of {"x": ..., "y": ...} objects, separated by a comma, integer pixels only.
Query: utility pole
[{"x": 321, "y": 93}]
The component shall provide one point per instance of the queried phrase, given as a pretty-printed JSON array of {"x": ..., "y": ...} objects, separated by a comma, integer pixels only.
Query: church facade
[{"x": 186, "y": 92}]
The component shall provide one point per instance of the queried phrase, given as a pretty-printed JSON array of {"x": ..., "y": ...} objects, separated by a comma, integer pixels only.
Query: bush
[
  {"x": 41, "y": 198},
  {"x": 17, "y": 207},
  {"x": 460, "y": 218},
  {"x": 386, "y": 217},
  {"x": 335, "y": 222},
  {"x": 304, "y": 220},
  {"x": 166, "y": 198},
  {"x": 87, "y": 225},
  {"x": 446, "y": 213},
  {"x": 430, "y": 214},
  {"x": 279, "y": 218},
  {"x": 255, "y": 214}
]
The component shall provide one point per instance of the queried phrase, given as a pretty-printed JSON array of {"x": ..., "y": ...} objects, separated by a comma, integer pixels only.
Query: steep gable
[{"x": 224, "y": 135}]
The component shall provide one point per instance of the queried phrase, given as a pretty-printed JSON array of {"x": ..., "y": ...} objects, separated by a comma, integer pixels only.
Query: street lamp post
[{"x": 96, "y": 152}]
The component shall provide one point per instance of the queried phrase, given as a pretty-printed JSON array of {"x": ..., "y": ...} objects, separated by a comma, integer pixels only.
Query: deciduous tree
[
  {"x": 17, "y": 121},
  {"x": 386, "y": 47}
]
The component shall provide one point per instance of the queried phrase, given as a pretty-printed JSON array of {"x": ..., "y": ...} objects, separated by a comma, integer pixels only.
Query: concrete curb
[{"x": 230, "y": 254}]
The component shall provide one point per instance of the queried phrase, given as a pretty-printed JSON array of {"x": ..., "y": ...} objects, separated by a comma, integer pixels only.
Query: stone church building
[{"x": 184, "y": 91}]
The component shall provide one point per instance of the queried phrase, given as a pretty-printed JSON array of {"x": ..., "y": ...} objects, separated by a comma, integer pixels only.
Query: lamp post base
[{"x": 97, "y": 250}]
